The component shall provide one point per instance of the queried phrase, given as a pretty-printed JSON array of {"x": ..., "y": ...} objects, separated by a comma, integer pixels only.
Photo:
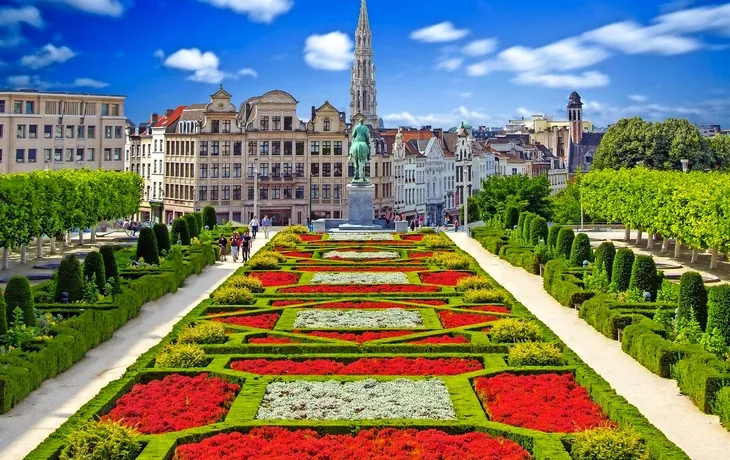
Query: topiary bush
[
  {"x": 199, "y": 218},
  {"x": 534, "y": 354},
  {"x": 450, "y": 260},
  {"x": 511, "y": 330},
  {"x": 538, "y": 230},
  {"x": 520, "y": 222},
  {"x": 552, "y": 239},
  {"x": 162, "y": 235},
  {"x": 110, "y": 262},
  {"x": 3, "y": 315},
  {"x": 227, "y": 295},
  {"x": 181, "y": 355},
  {"x": 580, "y": 250},
  {"x": 621, "y": 271},
  {"x": 526, "y": 227},
  {"x": 192, "y": 225},
  {"x": 693, "y": 297},
  {"x": 180, "y": 232},
  {"x": 19, "y": 295},
  {"x": 485, "y": 296},
  {"x": 94, "y": 265},
  {"x": 147, "y": 247},
  {"x": 242, "y": 281},
  {"x": 511, "y": 217},
  {"x": 564, "y": 243},
  {"x": 608, "y": 443},
  {"x": 644, "y": 276},
  {"x": 210, "y": 218},
  {"x": 603, "y": 257},
  {"x": 204, "y": 333},
  {"x": 102, "y": 440},
  {"x": 722, "y": 406},
  {"x": 70, "y": 279},
  {"x": 263, "y": 262},
  {"x": 718, "y": 315}
]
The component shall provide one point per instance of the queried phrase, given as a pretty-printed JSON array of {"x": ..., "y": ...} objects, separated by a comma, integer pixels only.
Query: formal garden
[{"x": 359, "y": 346}]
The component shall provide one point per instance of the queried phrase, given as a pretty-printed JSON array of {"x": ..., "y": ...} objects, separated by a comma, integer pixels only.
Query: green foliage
[
  {"x": 566, "y": 204},
  {"x": 181, "y": 356},
  {"x": 722, "y": 406},
  {"x": 302, "y": 229},
  {"x": 94, "y": 269},
  {"x": 511, "y": 217},
  {"x": 199, "y": 218},
  {"x": 248, "y": 282},
  {"x": 474, "y": 215},
  {"x": 693, "y": 298},
  {"x": 19, "y": 295},
  {"x": 286, "y": 241},
  {"x": 3, "y": 314},
  {"x": 603, "y": 257},
  {"x": 580, "y": 250},
  {"x": 597, "y": 280},
  {"x": 526, "y": 227},
  {"x": 70, "y": 279},
  {"x": 622, "y": 268},
  {"x": 91, "y": 290},
  {"x": 192, "y": 225},
  {"x": 450, "y": 260},
  {"x": 438, "y": 241},
  {"x": 700, "y": 375},
  {"x": 608, "y": 443},
  {"x": 714, "y": 342},
  {"x": 538, "y": 230},
  {"x": 644, "y": 275},
  {"x": 473, "y": 282},
  {"x": 162, "y": 235},
  {"x": 525, "y": 192},
  {"x": 210, "y": 332},
  {"x": 110, "y": 262},
  {"x": 689, "y": 331},
  {"x": 520, "y": 223},
  {"x": 102, "y": 440},
  {"x": 210, "y": 219},
  {"x": 147, "y": 247},
  {"x": 718, "y": 316},
  {"x": 720, "y": 146},
  {"x": 180, "y": 232},
  {"x": 669, "y": 292},
  {"x": 485, "y": 296},
  {"x": 263, "y": 262},
  {"x": 552, "y": 239},
  {"x": 534, "y": 354},
  {"x": 227, "y": 295},
  {"x": 564, "y": 243},
  {"x": 511, "y": 330}
]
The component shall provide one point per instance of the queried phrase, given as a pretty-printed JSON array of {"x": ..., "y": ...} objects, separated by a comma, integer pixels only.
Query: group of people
[
  {"x": 132, "y": 226},
  {"x": 241, "y": 244},
  {"x": 265, "y": 224},
  {"x": 417, "y": 222}
]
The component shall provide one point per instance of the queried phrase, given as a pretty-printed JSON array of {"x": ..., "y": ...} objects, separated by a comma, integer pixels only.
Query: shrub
[
  {"x": 69, "y": 279},
  {"x": 181, "y": 355},
  {"x": 286, "y": 240},
  {"x": 621, "y": 271},
  {"x": 512, "y": 330},
  {"x": 485, "y": 296},
  {"x": 580, "y": 249},
  {"x": 204, "y": 333},
  {"x": 564, "y": 243},
  {"x": 19, "y": 295},
  {"x": 526, "y": 227},
  {"x": 3, "y": 315},
  {"x": 279, "y": 258},
  {"x": 520, "y": 222},
  {"x": 437, "y": 241},
  {"x": 693, "y": 297},
  {"x": 719, "y": 310},
  {"x": 644, "y": 275},
  {"x": 538, "y": 230},
  {"x": 669, "y": 292},
  {"x": 473, "y": 282},
  {"x": 210, "y": 219},
  {"x": 241, "y": 281},
  {"x": 450, "y": 260},
  {"x": 261, "y": 262},
  {"x": 227, "y": 295},
  {"x": 180, "y": 232},
  {"x": 426, "y": 231},
  {"x": 608, "y": 443},
  {"x": 102, "y": 440},
  {"x": 147, "y": 247},
  {"x": 192, "y": 225},
  {"x": 603, "y": 257},
  {"x": 110, "y": 262},
  {"x": 534, "y": 354},
  {"x": 722, "y": 406},
  {"x": 199, "y": 218},
  {"x": 552, "y": 239},
  {"x": 511, "y": 217},
  {"x": 94, "y": 269},
  {"x": 162, "y": 235}
]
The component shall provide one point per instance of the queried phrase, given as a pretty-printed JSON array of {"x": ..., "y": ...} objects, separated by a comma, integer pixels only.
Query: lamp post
[{"x": 255, "y": 187}]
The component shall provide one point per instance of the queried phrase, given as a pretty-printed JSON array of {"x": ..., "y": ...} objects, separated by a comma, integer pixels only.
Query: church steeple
[
  {"x": 363, "y": 95},
  {"x": 362, "y": 23}
]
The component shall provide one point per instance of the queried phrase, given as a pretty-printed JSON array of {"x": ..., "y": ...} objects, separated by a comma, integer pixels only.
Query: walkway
[
  {"x": 700, "y": 435},
  {"x": 44, "y": 410}
]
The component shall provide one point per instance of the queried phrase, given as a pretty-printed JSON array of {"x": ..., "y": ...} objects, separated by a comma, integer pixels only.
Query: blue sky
[{"x": 483, "y": 61}]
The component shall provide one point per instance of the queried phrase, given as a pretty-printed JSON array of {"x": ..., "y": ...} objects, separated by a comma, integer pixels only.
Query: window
[
  {"x": 214, "y": 193},
  {"x": 47, "y": 131},
  {"x": 117, "y": 154},
  {"x": 250, "y": 193},
  {"x": 215, "y": 126},
  {"x": 288, "y": 148},
  {"x": 108, "y": 155},
  {"x": 237, "y": 149},
  {"x": 314, "y": 148},
  {"x": 21, "y": 132},
  {"x": 47, "y": 153},
  {"x": 226, "y": 193},
  {"x": 300, "y": 148},
  {"x": 115, "y": 110},
  {"x": 79, "y": 154},
  {"x": 264, "y": 193},
  {"x": 275, "y": 169},
  {"x": 276, "y": 147},
  {"x": 236, "y": 170},
  {"x": 227, "y": 148},
  {"x": 32, "y": 131},
  {"x": 326, "y": 147},
  {"x": 69, "y": 155},
  {"x": 90, "y": 155},
  {"x": 326, "y": 124},
  {"x": 118, "y": 134},
  {"x": 108, "y": 132},
  {"x": 214, "y": 171},
  {"x": 250, "y": 171},
  {"x": 264, "y": 170},
  {"x": 337, "y": 195},
  {"x": 338, "y": 147},
  {"x": 203, "y": 193},
  {"x": 326, "y": 170},
  {"x": 299, "y": 192},
  {"x": 104, "y": 110},
  {"x": 29, "y": 107},
  {"x": 287, "y": 123},
  {"x": 264, "y": 123},
  {"x": 314, "y": 192},
  {"x": 299, "y": 170},
  {"x": 80, "y": 131},
  {"x": 203, "y": 148},
  {"x": 252, "y": 147},
  {"x": 287, "y": 170},
  {"x": 314, "y": 168},
  {"x": 70, "y": 131},
  {"x": 91, "y": 132},
  {"x": 326, "y": 191},
  {"x": 226, "y": 171},
  {"x": 17, "y": 106},
  {"x": 236, "y": 192},
  {"x": 276, "y": 121},
  {"x": 20, "y": 156},
  {"x": 287, "y": 192},
  {"x": 264, "y": 147},
  {"x": 338, "y": 169},
  {"x": 58, "y": 155},
  {"x": 226, "y": 126},
  {"x": 59, "y": 132},
  {"x": 2, "y": 106}
]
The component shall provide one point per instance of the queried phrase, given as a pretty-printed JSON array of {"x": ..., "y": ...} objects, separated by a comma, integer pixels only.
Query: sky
[{"x": 437, "y": 63}]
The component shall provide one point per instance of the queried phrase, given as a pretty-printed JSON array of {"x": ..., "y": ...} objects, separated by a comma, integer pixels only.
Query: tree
[
  {"x": 210, "y": 219},
  {"x": 180, "y": 231},
  {"x": 552, "y": 238},
  {"x": 622, "y": 267},
  {"x": 199, "y": 217},
  {"x": 147, "y": 247},
  {"x": 564, "y": 244},
  {"x": 566, "y": 203},
  {"x": 526, "y": 227},
  {"x": 604, "y": 255},
  {"x": 693, "y": 298},
  {"x": 473, "y": 210},
  {"x": 94, "y": 269},
  {"x": 521, "y": 222},
  {"x": 192, "y": 225},
  {"x": 627, "y": 143},
  {"x": 538, "y": 230},
  {"x": 719, "y": 145},
  {"x": 3, "y": 315},
  {"x": 69, "y": 279},
  {"x": 110, "y": 266},
  {"x": 644, "y": 275},
  {"x": 719, "y": 310},
  {"x": 162, "y": 235},
  {"x": 525, "y": 192},
  {"x": 511, "y": 217},
  {"x": 580, "y": 250},
  {"x": 19, "y": 295}
]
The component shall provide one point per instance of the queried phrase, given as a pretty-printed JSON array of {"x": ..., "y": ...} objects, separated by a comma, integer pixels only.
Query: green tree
[
  {"x": 526, "y": 227},
  {"x": 70, "y": 279},
  {"x": 162, "y": 235},
  {"x": 19, "y": 295},
  {"x": 604, "y": 255},
  {"x": 719, "y": 145},
  {"x": 644, "y": 275},
  {"x": 511, "y": 217},
  {"x": 94, "y": 265},
  {"x": 538, "y": 230},
  {"x": 580, "y": 250},
  {"x": 473, "y": 210},
  {"x": 719, "y": 310},
  {"x": 147, "y": 247},
  {"x": 627, "y": 143},
  {"x": 210, "y": 219},
  {"x": 199, "y": 217},
  {"x": 564, "y": 243},
  {"x": 521, "y": 222},
  {"x": 693, "y": 298},
  {"x": 3, "y": 315},
  {"x": 180, "y": 231},
  {"x": 622, "y": 267},
  {"x": 566, "y": 203},
  {"x": 192, "y": 225},
  {"x": 552, "y": 238},
  {"x": 525, "y": 192},
  {"x": 111, "y": 272}
]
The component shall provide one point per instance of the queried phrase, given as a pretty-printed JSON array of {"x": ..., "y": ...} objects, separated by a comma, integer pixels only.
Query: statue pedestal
[
  {"x": 360, "y": 204},
  {"x": 401, "y": 227}
]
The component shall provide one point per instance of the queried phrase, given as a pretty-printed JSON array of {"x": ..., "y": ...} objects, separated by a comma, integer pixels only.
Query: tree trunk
[
  {"x": 638, "y": 237},
  {"x": 665, "y": 246},
  {"x": 81, "y": 237},
  {"x": 694, "y": 256},
  {"x": 93, "y": 233},
  {"x": 23, "y": 255},
  {"x": 677, "y": 249},
  {"x": 53, "y": 244},
  {"x": 713, "y": 259},
  {"x": 68, "y": 239},
  {"x": 627, "y": 234},
  {"x": 6, "y": 258},
  {"x": 39, "y": 248},
  {"x": 649, "y": 240}
]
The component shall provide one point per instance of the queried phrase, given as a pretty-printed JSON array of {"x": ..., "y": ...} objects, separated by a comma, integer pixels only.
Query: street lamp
[
  {"x": 255, "y": 187},
  {"x": 685, "y": 165}
]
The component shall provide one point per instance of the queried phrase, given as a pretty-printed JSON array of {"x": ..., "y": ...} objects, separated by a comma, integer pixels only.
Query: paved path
[
  {"x": 700, "y": 435},
  {"x": 44, "y": 410}
]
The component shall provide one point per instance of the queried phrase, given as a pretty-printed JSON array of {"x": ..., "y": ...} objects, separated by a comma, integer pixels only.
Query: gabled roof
[
  {"x": 164, "y": 122},
  {"x": 221, "y": 93},
  {"x": 578, "y": 153}
]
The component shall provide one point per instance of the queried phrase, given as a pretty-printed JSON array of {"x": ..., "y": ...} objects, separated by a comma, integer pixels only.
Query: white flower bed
[
  {"x": 360, "y": 278},
  {"x": 361, "y": 237},
  {"x": 365, "y": 319},
  {"x": 360, "y": 400},
  {"x": 357, "y": 255}
]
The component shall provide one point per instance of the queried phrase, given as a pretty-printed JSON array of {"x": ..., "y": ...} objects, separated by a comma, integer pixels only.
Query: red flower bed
[
  {"x": 419, "y": 254},
  {"x": 175, "y": 403},
  {"x": 363, "y": 366},
  {"x": 286, "y": 303},
  {"x": 446, "y": 278},
  {"x": 263, "y": 321},
  {"x": 451, "y": 319},
  {"x": 310, "y": 237},
  {"x": 357, "y": 337},
  {"x": 427, "y": 301},
  {"x": 272, "y": 339},
  {"x": 223, "y": 312},
  {"x": 273, "y": 279},
  {"x": 412, "y": 237},
  {"x": 369, "y": 243},
  {"x": 441, "y": 339},
  {"x": 546, "y": 402},
  {"x": 360, "y": 269},
  {"x": 264, "y": 443},
  {"x": 490, "y": 308},
  {"x": 360, "y": 304},
  {"x": 359, "y": 289},
  {"x": 299, "y": 254}
]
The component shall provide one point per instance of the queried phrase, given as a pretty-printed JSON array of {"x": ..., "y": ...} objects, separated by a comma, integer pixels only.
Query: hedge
[
  {"x": 69, "y": 279},
  {"x": 564, "y": 243},
  {"x": 526, "y": 227},
  {"x": 565, "y": 288},
  {"x": 621, "y": 272},
  {"x": 94, "y": 269},
  {"x": 147, "y": 247},
  {"x": 693, "y": 298},
  {"x": 192, "y": 225},
  {"x": 520, "y": 223},
  {"x": 3, "y": 315},
  {"x": 604, "y": 255},
  {"x": 644, "y": 276},
  {"x": 210, "y": 218},
  {"x": 719, "y": 310},
  {"x": 538, "y": 231},
  {"x": 162, "y": 236},
  {"x": 722, "y": 406},
  {"x": 580, "y": 250},
  {"x": 642, "y": 342},
  {"x": 180, "y": 233},
  {"x": 552, "y": 239},
  {"x": 18, "y": 295},
  {"x": 700, "y": 375},
  {"x": 511, "y": 217},
  {"x": 110, "y": 262}
]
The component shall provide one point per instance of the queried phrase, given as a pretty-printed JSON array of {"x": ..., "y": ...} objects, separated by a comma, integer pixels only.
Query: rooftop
[{"x": 58, "y": 93}]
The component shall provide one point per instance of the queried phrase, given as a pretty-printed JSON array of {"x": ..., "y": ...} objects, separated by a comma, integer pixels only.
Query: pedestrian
[
  {"x": 309, "y": 224},
  {"x": 134, "y": 226},
  {"x": 235, "y": 244},
  {"x": 456, "y": 225},
  {"x": 245, "y": 246},
  {"x": 254, "y": 224},
  {"x": 413, "y": 225},
  {"x": 223, "y": 244},
  {"x": 266, "y": 223}
]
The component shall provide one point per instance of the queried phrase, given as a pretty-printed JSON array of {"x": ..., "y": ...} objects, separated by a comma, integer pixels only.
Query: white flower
[
  {"x": 360, "y": 278},
  {"x": 347, "y": 236},
  {"x": 357, "y": 255},
  {"x": 354, "y": 318}
]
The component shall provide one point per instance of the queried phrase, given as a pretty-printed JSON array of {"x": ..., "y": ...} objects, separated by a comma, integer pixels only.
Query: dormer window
[{"x": 326, "y": 124}]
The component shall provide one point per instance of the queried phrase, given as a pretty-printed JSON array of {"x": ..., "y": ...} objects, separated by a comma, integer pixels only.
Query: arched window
[{"x": 326, "y": 124}]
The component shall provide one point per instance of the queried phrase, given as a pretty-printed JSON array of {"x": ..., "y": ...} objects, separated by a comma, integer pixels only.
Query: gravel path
[{"x": 367, "y": 319}]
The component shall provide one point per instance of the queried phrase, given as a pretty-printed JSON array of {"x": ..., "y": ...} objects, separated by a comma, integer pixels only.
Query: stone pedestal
[
  {"x": 401, "y": 227},
  {"x": 319, "y": 226},
  {"x": 360, "y": 204}
]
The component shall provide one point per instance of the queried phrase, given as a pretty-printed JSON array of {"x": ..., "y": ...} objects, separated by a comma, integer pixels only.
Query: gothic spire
[{"x": 363, "y": 25}]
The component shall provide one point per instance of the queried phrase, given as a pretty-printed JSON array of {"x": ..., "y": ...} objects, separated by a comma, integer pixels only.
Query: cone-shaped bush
[
  {"x": 521, "y": 222},
  {"x": 147, "y": 247},
  {"x": 199, "y": 218},
  {"x": 3, "y": 315},
  {"x": 644, "y": 276},
  {"x": 693, "y": 297},
  {"x": 604, "y": 255},
  {"x": 94, "y": 265},
  {"x": 180, "y": 232},
  {"x": 210, "y": 219},
  {"x": 719, "y": 310},
  {"x": 110, "y": 262},
  {"x": 511, "y": 217},
  {"x": 552, "y": 239},
  {"x": 621, "y": 272},
  {"x": 192, "y": 225},
  {"x": 162, "y": 235},
  {"x": 538, "y": 230},
  {"x": 70, "y": 279},
  {"x": 526, "y": 227},
  {"x": 18, "y": 295},
  {"x": 580, "y": 250},
  {"x": 564, "y": 244}
]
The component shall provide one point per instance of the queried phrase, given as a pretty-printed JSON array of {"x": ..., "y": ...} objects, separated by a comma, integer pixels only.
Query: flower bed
[
  {"x": 328, "y": 268},
  {"x": 419, "y": 254},
  {"x": 365, "y": 319},
  {"x": 360, "y": 304},
  {"x": 359, "y": 278},
  {"x": 351, "y": 236},
  {"x": 387, "y": 443},
  {"x": 175, "y": 403},
  {"x": 411, "y": 237},
  {"x": 272, "y": 339},
  {"x": 274, "y": 279},
  {"x": 286, "y": 303},
  {"x": 446, "y": 278},
  {"x": 359, "y": 400},
  {"x": 439, "y": 339},
  {"x": 361, "y": 255},
  {"x": 545, "y": 402},
  {"x": 298, "y": 254},
  {"x": 262, "y": 321},
  {"x": 359, "y": 337},
  {"x": 363, "y": 366},
  {"x": 489, "y": 308},
  {"x": 427, "y": 301},
  {"x": 307, "y": 238},
  {"x": 451, "y": 319},
  {"x": 362, "y": 289}
]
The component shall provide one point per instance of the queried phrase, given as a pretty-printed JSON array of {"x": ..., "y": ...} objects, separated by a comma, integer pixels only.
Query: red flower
[
  {"x": 451, "y": 319},
  {"x": 273, "y": 279},
  {"x": 360, "y": 269},
  {"x": 490, "y": 308},
  {"x": 358, "y": 289},
  {"x": 358, "y": 337},
  {"x": 272, "y": 339},
  {"x": 437, "y": 339},
  {"x": 419, "y": 254},
  {"x": 411, "y": 237},
  {"x": 446, "y": 278},
  {"x": 263, "y": 443},
  {"x": 363, "y": 366},
  {"x": 299, "y": 254},
  {"x": 547, "y": 402},
  {"x": 263, "y": 321},
  {"x": 307, "y": 238},
  {"x": 175, "y": 403},
  {"x": 369, "y": 243},
  {"x": 427, "y": 301}
]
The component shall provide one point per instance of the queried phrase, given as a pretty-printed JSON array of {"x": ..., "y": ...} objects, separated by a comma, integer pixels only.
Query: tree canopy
[{"x": 525, "y": 192}]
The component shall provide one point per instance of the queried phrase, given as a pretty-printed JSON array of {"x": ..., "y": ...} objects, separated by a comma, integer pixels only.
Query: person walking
[
  {"x": 413, "y": 225},
  {"x": 223, "y": 244},
  {"x": 245, "y": 247},
  {"x": 309, "y": 224},
  {"x": 266, "y": 224},
  {"x": 254, "y": 224},
  {"x": 235, "y": 246},
  {"x": 456, "y": 225}
]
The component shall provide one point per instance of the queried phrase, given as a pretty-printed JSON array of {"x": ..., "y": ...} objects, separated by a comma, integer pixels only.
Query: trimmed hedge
[
  {"x": 552, "y": 239},
  {"x": 580, "y": 250},
  {"x": 644, "y": 276},
  {"x": 718, "y": 315},
  {"x": 722, "y": 406},
  {"x": 94, "y": 269},
  {"x": 700, "y": 375},
  {"x": 19, "y": 295},
  {"x": 3, "y": 315},
  {"x": 603, "y": 256},
  {"x": 199, "y": 218},
  {"x": 192, "y": 225},
  {"x": 621, "y": 272},
  {"x": 564, "y": 243},
  {"x": 511, "y": 217},
  {"x": 210, "y": 218},
  {"x": 162, "y": 236},
  {"x": 69, "y": 279},
  {"x": 526, "y": 227},
  {"x": 538, "y": 230},
  {"x": 180, "y": 232},
  {"x": 693, "y": 298},
  {"x": 520, "y": 222},
  {"x": 110, "y": 262},
  {"x": 567, "y": 289},
  {"x": 642, "y": 342}
]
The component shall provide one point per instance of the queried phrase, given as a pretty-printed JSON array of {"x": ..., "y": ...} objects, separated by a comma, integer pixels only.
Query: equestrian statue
[{"x": 360, "y": 153}]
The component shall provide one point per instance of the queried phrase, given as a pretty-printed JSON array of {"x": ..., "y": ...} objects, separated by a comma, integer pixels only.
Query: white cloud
[
  {"x": 450, "y": 64},
  {"x": 638, "y": 98},
  {"x": 248, "y": 73},
  {"x": 48, "y": 55},
  {"x": 159, "y": 54},
  {"x": 102, "y": 7},
  {"x": 565, "y": 54},
  {"x": 437, "y": 33},
  {"x": 28, "y": 81},
  {"x": 631, "y": 38},
  {"x": 192, "y": 59},
  {"x": 257, "y": 10},
  {"x": 523, "y": 112},
  {"x": 89, "y": 83},
  {"x": 472, "y": 115},
  {"x": 466, "y": 94},
  {"x": 590, "y": 79},
  {"x": 212, "y": 75},
  {"x": 481, "y": 47},
  {"x": 332, "y": 51},
  {"x": 25, "y": 15},
  {"x": 479, "y": 69}
]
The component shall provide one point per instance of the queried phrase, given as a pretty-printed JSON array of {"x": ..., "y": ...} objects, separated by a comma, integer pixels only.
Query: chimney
[
  {"x": 168, "y": 112},
  {"x": 314, "y": 109},
  {"x": 154, "y": 117}
]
